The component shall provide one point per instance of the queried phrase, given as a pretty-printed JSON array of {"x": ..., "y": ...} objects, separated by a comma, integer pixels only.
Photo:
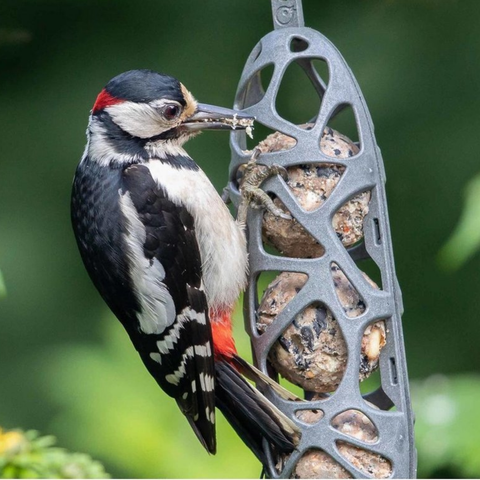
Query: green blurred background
[{"x": 66, "y": 366}]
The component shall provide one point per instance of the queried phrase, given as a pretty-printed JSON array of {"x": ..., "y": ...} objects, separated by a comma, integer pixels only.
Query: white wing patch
[
  {"x": 175, "y": 377},
  {"x": 169, "y": 342},
  {"x": 207, "y": 382},
  {"x": 157, "y": 307},
  {"x": 203, "y": 350},
  {"x": 210, "y": 415},
  {"x": 187, "y": 315},
  {"x": 156, "y": 357},
  {"x": 221, "y": 241}
]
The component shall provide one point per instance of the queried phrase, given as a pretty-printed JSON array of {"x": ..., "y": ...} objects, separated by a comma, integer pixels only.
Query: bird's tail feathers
[
  {"x": 251, "y": 414},
  {"x": 257, "y": 376},
  {"x": 208, "y": 441}
]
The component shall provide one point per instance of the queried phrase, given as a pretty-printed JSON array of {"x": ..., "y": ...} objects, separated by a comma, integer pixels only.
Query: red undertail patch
[
  {"x": 104, "y": 100},
  {"x": 223, "y": 342}
]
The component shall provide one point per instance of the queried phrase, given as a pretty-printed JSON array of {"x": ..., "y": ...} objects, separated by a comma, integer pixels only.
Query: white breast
[{"x": 221, "y": 241}]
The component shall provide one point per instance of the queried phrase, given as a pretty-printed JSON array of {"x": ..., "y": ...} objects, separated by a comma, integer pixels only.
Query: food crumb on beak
[{"x": 246, "y": 123}]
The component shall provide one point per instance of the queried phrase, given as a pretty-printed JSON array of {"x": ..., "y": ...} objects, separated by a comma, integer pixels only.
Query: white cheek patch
[
  {"x": 138, "y": 119},
  {"x": 99, "y": 146}
]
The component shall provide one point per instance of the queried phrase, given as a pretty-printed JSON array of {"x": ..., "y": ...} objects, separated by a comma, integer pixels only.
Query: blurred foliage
[
  {"x": 417, "y": 64},
  {"x": 465, "y": 239},
  {"x": 3, "y": 288},
  {"x": 448, "y": 425},
  {"x": 28, "y": 455},
  {"x": 14, "y": 36}
]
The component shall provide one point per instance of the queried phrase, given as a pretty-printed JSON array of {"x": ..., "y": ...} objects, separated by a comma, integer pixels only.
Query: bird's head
[{"x": 141, "y": 109}]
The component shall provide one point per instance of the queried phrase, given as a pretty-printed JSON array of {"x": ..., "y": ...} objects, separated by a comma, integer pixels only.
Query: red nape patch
[
  {"x": 223, "y": 342},
  {"x": 104, "y": 100}
]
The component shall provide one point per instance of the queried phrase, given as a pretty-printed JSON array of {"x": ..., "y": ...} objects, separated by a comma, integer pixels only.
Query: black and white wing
[
  {"x": 175, "y": 339},
  {"x": 141, "y": 252}
]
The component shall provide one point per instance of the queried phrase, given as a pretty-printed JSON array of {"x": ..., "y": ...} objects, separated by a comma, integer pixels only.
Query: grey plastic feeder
[{"x": 292, "y": 42}]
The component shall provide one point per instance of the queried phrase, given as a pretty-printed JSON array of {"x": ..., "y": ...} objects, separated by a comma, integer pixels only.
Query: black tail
[{"x": 251, "y": 414}]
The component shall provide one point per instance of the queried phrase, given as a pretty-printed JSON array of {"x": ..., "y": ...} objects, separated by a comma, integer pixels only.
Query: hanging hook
[{"x": 287, "y": 13}]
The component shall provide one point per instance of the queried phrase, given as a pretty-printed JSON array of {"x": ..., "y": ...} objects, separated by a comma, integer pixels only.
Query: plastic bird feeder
[{"x": 388, "y": 407}]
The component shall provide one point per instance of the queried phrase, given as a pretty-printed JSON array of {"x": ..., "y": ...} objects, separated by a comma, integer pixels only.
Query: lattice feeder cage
[{"x": 322, "y": 323}]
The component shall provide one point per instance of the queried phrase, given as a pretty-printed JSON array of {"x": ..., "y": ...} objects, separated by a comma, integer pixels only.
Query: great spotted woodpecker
[{"x": 166, "y": 255}]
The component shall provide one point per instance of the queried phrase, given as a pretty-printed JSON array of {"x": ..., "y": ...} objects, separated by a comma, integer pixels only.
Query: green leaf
[
  {"x": 465, "y": 240},
  {"x": 28, "y": 455}
]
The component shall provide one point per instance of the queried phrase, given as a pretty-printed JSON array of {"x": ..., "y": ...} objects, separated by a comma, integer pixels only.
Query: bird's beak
[{"x": 210, "y": 117}]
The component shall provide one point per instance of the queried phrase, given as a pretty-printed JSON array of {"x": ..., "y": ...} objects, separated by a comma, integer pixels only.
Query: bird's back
[{"x": 96, "y": 222}]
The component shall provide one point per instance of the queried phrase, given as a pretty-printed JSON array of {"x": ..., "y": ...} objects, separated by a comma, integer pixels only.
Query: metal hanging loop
[{"x": 287, "y": 13}]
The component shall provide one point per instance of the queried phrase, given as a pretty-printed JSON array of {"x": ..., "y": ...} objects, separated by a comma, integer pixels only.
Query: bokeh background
[{"x": 66, "y": 366}]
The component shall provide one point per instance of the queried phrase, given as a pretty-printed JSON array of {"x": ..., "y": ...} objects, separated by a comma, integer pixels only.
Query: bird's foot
[
  {"x": 226, "y": 196},
  {"x": 252, "y": 195}
]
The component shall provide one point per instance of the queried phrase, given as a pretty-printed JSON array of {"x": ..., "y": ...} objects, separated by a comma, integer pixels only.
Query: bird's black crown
[{"x": 143, "y": 86}]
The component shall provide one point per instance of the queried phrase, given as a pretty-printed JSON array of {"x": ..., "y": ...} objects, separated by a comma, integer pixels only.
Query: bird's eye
[{"x": 170, "y": 112}]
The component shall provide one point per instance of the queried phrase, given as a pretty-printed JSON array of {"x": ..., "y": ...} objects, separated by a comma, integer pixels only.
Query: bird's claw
[
  {"x": 279, "y": 170},
  {"x": 226, "y": 196},
  {"x": 285, "y": 216},
  {"x": 252, "y": 195}
]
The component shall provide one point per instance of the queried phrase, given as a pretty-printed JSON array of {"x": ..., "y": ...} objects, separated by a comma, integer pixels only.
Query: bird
[{"x": 166, "y": 255}]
